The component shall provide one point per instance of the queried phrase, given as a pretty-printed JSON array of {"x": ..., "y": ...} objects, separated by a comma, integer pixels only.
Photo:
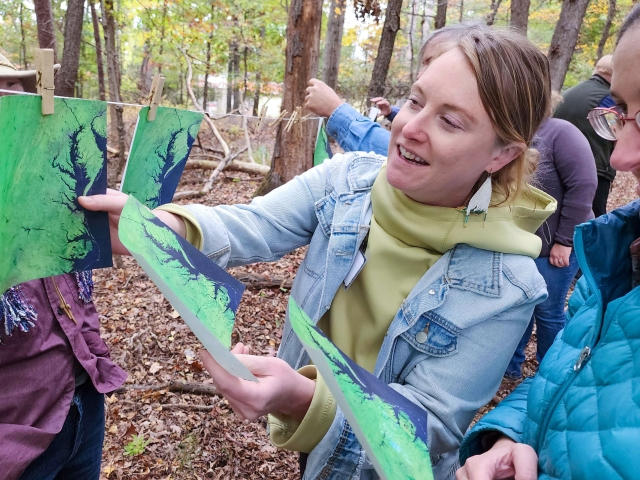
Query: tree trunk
[
  {"x": 98, "y": 41},
  {"x": 333, "y": 43},
  {"x": 162, "y": 33},
  {"x": 520, "y": 16},
  {"x": 46, "y": 28},
  {"x": 565, "y": 37},
  {"x": 113, "y": 73},
  {"x": 233, "y": 48},
  {"x": 23, "y": 43},
  {"x": 441, "y": 15},
  {"x": 236, "y": 78},
  {"x": 493, "y": 10},
  {"x": 293, "y": 151},
  {"x": 207, "y": 69},
  {"x": 145, "y": 75},
  {"x": 412, "y": 33},
  {"x": 385, "y": 49},
  {"x": 246, "y": 76},
  {"x": 256, "y": 94},
  {"x": 68, "y": 74},
  {"x": 607, "y": 29}
]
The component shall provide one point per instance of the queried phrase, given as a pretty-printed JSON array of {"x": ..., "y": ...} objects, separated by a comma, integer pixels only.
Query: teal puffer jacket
[{"x": 581, "y": 412}]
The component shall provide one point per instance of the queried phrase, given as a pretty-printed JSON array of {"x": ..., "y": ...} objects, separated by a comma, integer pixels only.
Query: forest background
[{"x": 239, "y": 45}]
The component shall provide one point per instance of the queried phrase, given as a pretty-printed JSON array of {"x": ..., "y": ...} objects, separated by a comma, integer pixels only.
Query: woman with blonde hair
[{"x": 420, "y": 265}]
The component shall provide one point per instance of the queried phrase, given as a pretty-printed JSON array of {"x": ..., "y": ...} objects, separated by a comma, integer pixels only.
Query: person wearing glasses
[
  {"x": 578, "y": 102},
  {"x": 579, "y": 417}
]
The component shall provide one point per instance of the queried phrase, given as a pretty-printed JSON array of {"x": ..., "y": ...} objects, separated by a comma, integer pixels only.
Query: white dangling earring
[{"x": 480, "y": 201}]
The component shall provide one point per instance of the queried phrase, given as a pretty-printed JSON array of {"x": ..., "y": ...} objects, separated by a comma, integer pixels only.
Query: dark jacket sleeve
[
  {"x": 392, "y": 115},
  {"x": 576, "y": 167},
  {"x": 507, "y": 419}
]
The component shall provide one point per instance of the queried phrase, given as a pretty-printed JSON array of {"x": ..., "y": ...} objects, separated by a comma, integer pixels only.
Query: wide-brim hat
[{"x": 27, "y": 77}]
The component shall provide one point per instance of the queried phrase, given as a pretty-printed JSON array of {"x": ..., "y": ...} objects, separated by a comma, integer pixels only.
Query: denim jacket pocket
[
  {"x": 433, "y": 335},
  {"x": 325, "y": 208}
]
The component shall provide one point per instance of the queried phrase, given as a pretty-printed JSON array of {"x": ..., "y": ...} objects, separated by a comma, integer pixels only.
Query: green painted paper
[
  {"x": 205, "y": 296},
  {"x": 46, "y": 162},
  {"x": 386, "y": 432},
  {"x": 322, "y": 150},
  {"x": 159, "y": 152}
]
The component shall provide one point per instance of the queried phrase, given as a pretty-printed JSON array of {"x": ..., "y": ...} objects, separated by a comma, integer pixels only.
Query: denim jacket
[{"x": 478, "y": 304}]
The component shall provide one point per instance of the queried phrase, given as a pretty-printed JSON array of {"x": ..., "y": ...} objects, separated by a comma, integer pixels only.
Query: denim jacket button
[
  {"x": 432, "y": 292},
  {"x": 421, "y": 337}
]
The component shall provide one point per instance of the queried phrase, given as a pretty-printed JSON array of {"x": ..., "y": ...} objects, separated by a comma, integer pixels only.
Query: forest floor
[{"x": 157, "y": 432}]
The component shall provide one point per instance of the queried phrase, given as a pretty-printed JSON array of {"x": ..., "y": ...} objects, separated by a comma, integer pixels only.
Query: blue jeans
[
  {"x": 549, "y": 315},
  {"x": 76, "y": 452}
]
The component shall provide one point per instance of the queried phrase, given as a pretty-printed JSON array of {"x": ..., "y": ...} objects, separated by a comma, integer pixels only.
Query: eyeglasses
[{"x": 607, "y": 122}]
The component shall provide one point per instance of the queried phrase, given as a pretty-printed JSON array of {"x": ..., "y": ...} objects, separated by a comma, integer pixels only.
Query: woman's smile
[{"x": 411, "y": 157}]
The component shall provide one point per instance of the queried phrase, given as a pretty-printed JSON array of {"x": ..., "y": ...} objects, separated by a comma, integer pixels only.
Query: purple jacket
[
  {"x": 38, "y": 370},
  {"x": 567, "y": 172}
]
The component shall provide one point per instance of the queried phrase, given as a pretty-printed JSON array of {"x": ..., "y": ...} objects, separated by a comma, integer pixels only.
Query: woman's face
[
  {"x": 442, "y": 140},
  {"x": 13, "y": 84},
  {"x": 625, "y": 89}
]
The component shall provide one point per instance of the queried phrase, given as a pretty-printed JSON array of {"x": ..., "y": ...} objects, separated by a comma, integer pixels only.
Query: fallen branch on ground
[
  {"x": 255, "y": 281},
  {"x": 212, "y": 178},
  {"x": 194, "y": 388},
  {"x": 245, "y": 167}
]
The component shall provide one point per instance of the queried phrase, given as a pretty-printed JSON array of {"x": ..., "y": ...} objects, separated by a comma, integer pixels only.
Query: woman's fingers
[
  {"x": 112, "y": 203},
  {"x": 525, "y": 462}
]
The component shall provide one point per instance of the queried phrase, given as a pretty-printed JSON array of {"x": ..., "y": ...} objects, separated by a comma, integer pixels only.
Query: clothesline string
[{"x": 210, "y": 115}]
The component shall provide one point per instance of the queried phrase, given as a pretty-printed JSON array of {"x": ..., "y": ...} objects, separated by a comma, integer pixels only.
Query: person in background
[
  {"x": 382, "y": 104},
  {"x": 579, "y": 417},
  {"x": 355, "y": 132},
  {"x": 567, "y": 172},
  {"x": 54, "y": 367},
  {"x": 578, "y": 102}
]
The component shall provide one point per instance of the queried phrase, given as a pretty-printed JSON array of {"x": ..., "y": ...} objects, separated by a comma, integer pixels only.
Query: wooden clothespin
[
  {"x": 156, "y": 96},
  {"x": 305, "y": 118},
  {"x": 263, "y": 113},
  {"x": 293, "y": 119},
  {"x": 278, "y": 120},
  {"x": 44, "y": 79}
]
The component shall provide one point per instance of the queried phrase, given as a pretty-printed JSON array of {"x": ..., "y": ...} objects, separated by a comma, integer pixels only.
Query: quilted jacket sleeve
[{"x": 507, "y": 418}]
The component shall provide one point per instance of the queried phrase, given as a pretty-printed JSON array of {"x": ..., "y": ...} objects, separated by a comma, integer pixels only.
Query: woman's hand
[
  {"x": 506, "y": 459},
  {"x": 559, "y": 256},
  {"x": 280, "y": 387},
  {"x": 321, "y": 99},
  {"x": 113, "y": 203}
]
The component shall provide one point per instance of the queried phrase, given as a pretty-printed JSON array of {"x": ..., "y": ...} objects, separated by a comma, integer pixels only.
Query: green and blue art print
[
  {"x": 205, "y": 296},
  {"x": 391, "y": 429},
  {"x": 46, "y": 163},
  {"x": 159, "y": 153},
  {"x": 322, "y": 150}
]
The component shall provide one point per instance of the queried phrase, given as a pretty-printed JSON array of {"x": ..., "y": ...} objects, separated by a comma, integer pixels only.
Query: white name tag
[{"x": 358, "y": 263}]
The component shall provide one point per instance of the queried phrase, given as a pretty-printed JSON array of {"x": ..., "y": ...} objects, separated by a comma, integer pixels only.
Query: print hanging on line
[
  {"x": 46, "y": 163},
  {"x": 159, "y": 153}
]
